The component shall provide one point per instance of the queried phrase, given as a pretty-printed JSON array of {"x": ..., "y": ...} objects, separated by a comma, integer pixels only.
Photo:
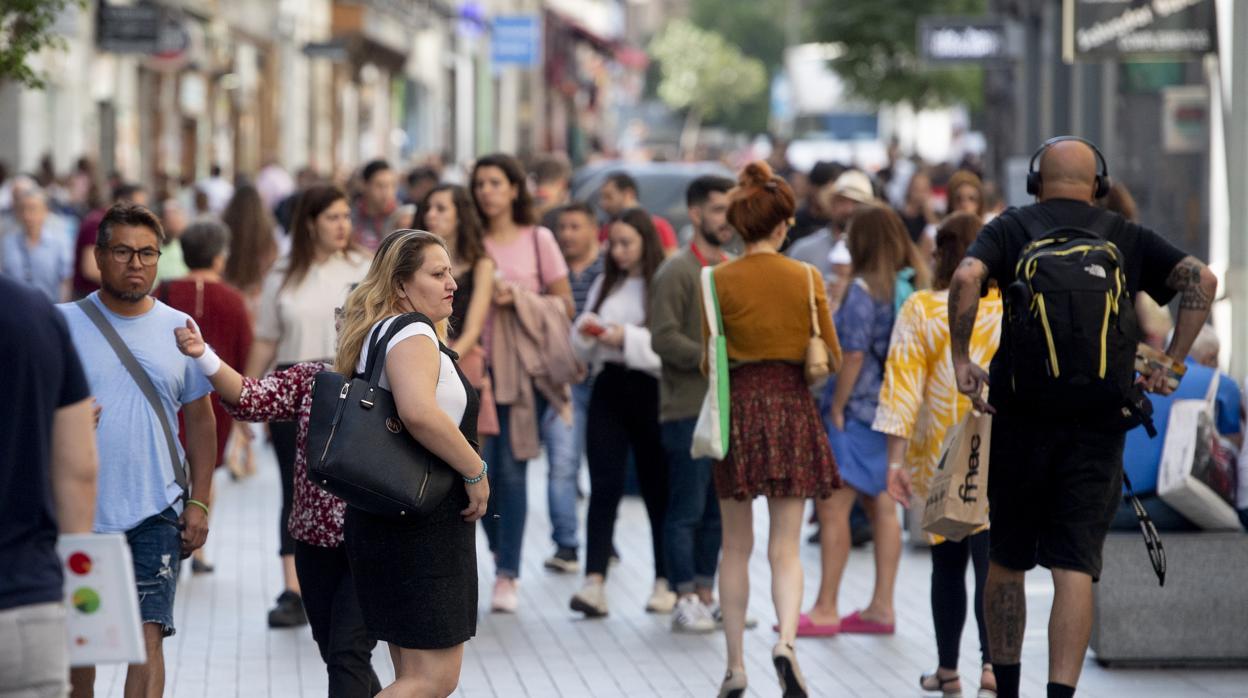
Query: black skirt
[{"x": 416, "y": 583}]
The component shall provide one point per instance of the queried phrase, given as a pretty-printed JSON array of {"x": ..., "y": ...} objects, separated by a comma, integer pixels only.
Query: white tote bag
[
  {"x": 102, "y": 604},
  {"x": 1187, "y": 453},
  {"x": 710, "y": 435}
]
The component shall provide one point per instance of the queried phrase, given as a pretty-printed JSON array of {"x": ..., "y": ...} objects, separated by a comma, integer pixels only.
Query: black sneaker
[
  {"x": 563, "y": 561},
  {"x": 288, "y": 613},
  {"x": 860, "y": 535}
]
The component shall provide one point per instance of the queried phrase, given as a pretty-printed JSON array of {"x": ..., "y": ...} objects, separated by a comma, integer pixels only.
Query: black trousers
[
  {"x": 623, "y": 415},
  {"x": 949, "y": 595},
  {"x": 337, "y": 623},
  {"x": 285, "y": 435}
]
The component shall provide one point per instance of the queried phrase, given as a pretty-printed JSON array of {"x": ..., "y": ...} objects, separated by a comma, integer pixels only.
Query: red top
[
  {"x": 88, "y": 231},
  {"x": 667, "y": 234},
  {"x": 221, "y": 313},
  {"x": 283, "y": 396}
]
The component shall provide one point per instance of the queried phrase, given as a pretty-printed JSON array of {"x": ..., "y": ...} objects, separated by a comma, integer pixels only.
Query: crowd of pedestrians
[{"x": 552, "y": 325}]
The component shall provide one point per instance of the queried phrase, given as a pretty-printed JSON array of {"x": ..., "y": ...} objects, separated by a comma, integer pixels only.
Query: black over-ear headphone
[{"x": 1103, "y": 182}]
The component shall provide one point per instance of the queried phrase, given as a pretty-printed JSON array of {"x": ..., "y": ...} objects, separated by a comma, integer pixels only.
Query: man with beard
[
  {"x": 692, "y": 530},
  {"x": 143, "y": 485}
]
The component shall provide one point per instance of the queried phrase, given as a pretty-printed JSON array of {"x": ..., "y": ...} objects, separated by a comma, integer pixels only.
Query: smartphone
[{"x": 592, "y": 329}]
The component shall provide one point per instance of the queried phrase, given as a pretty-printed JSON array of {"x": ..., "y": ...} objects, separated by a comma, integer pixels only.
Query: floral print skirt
[{"x": 777, "y": 446}]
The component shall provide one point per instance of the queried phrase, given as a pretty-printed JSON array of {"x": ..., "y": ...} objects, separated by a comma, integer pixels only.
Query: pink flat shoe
[
  {"x": 808, "y": 628},
  {"x": 855, "y": 623}
]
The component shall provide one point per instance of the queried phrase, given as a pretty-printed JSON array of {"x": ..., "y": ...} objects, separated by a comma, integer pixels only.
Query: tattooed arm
[
  {"x": 1197, "y": 286},
  {"x": 963, "y": 306}
]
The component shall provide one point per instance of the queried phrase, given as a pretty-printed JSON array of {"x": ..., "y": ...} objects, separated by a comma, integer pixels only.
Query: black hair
[
  {"x": 700, "y": 189},
  {"x": 202, "y": 241},
  {"x": 651, "y": 254},
  {"x": 623, "y": 181},
  {"x": 522, "y": 207},
  {"x": 421, "y": 173},
  {"x": 551, "y": 168},
  {"x": 372, "y": 168},
  {"x": 576, "y": 207},
  {"x": 215, "y": 170},
  {"x": 126, "y": 191},
  {"x": 824, "y": 172},
  {"x": 132, "y": 215}
]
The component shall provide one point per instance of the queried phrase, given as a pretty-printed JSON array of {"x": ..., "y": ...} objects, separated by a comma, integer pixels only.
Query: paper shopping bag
[
  {"x": 102, "y": 600},
  {"x": 957, "y": 499},
  {"x": 710, "y": 434},
  {"x": 1195, "y": 477}
]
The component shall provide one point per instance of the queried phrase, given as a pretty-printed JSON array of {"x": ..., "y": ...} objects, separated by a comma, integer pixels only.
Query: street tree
[
  {"x": 880, "y": 63},
  {"x": 703, "y": 75},
  {"x": 25, "y": 30},
  {"x": 758, "y": 28}
]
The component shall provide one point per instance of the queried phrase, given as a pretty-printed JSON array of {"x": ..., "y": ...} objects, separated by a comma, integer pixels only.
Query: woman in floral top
[
  {"x": 316, "y": 517},
  {"x": 919, "y": 403}
]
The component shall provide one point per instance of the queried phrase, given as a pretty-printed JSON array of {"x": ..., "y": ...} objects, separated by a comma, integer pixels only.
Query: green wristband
[{"x": 199, "y": 504}]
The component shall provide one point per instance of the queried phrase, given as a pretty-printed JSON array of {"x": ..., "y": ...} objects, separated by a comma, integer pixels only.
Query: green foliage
[
  {"x": 880, "y": 64},
  {"x": 756, "y": 27},
  {"x": 25, "y": 29},
  {"x": 703, "y": 73}
]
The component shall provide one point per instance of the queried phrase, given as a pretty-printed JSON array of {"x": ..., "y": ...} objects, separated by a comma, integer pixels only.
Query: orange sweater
[{"x": 766, "y": 308}]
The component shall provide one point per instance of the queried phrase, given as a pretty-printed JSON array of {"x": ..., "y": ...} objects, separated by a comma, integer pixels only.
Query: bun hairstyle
[{"x": 760, "y": 202}]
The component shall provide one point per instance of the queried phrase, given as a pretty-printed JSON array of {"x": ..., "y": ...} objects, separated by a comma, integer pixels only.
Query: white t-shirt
[
  {"x": 451, "y": 396},
  {"x": 301, "y": 318}
]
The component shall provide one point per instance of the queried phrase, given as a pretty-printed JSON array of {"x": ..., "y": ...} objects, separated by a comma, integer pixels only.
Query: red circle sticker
[{"x": 80, "y": 563}]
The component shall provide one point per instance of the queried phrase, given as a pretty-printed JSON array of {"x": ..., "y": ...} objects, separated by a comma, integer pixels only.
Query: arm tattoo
[
  {"x": 962, "y": 322},
  {"x": 1185, "y": 278},
  {"x": 1007, "y": 620}
]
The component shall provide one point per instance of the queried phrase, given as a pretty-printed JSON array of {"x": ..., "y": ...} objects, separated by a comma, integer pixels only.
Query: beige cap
[{"x": 854, "y": 185}]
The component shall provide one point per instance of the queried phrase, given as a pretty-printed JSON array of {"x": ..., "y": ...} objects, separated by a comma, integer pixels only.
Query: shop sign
[
  {"x": 1135, "y": 29},
  {"x": 982, "y": 40},
  {"x": 516, "y": 40}
]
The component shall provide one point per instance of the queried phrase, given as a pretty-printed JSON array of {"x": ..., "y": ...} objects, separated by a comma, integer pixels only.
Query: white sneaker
[
  {"x": 591, "y": 600},
  {"x": 692, "y": 616},
  {"x": 662, "y": 599},
  {"x": 505, "y": 599}
]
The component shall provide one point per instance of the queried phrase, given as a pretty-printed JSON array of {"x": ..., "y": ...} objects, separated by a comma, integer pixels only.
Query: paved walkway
[{"x": 223, "y": 647}]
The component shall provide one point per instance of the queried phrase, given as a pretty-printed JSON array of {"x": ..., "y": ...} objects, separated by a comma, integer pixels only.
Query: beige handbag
[{"x": 817, "y": 364}]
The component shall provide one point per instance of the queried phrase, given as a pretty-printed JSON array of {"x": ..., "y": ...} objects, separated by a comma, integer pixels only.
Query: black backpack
[{"x": 1071, "y": 323}]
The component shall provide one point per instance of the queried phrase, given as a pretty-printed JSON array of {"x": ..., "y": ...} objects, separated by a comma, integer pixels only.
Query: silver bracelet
[{"x": 474, "y": 480}]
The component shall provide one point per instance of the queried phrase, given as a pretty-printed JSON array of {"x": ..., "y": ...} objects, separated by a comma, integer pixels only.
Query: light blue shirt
[
  {"x": 45, "y": 266},
  {"x": 136, "y": 479}
]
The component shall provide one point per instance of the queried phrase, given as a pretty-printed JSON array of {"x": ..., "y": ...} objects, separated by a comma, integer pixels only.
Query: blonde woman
[
  {"x": 416, "y": 582},
  {"x": 919, "y": 403}
]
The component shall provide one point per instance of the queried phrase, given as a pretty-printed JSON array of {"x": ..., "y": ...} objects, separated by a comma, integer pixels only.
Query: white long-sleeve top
[{"x": 626, "y": 306}]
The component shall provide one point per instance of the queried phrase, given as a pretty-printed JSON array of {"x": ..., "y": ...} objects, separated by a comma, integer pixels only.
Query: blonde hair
[{"x": 400, "y": 255}]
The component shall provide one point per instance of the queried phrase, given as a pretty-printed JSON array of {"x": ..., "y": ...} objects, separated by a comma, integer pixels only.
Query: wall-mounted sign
[
  {"x": 128, "y": 29},
  {"x": 1098, "y": 29},
  {"x": 947, "y": 40},
  {"x": 1185, "y": 118},
  {"x": 516, "y": 40}
]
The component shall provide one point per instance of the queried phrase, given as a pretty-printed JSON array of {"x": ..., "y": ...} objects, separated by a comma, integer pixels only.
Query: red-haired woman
[{"x": 777, "y": 448}]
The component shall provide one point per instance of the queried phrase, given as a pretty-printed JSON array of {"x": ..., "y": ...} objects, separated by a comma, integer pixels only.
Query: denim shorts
[{"x": 156, "y": 546}]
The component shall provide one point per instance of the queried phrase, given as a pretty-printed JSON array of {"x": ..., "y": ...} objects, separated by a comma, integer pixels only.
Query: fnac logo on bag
[{"x": 970, "y": 484}]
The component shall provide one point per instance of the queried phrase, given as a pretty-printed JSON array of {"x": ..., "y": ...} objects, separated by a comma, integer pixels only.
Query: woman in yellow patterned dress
[{"x": 919, "y": 402}]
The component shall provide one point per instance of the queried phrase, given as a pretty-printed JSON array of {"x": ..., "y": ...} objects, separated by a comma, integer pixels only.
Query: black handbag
[{"x": 359, "y": 451}]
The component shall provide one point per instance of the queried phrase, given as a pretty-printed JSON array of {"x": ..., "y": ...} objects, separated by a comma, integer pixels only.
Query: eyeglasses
[{"x": 122, "y": 255}]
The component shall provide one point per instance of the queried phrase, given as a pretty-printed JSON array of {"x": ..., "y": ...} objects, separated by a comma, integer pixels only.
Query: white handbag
[
  {"x": 1189, "y": 437},
  {"x": 710, "y": 435},
  {"x": 101, "y": 599}
]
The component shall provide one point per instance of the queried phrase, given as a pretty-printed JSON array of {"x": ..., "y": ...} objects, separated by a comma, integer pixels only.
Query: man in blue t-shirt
[
  {"x": 139, "y": 492},
  {"x": 47, "y": 482}
]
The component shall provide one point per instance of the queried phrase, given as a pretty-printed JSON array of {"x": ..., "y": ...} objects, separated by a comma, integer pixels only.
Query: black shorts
[{"x": 1053, "y": 490}]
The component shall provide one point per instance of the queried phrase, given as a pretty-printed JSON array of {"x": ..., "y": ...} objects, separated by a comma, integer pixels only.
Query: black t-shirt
[
  {"x": 43, "y": 374},
  {"x": 805, "y": 222},
  {"x": 1148, "y": 260}
]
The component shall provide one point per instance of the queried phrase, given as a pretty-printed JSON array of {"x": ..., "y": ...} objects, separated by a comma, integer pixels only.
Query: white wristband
[{"x": 209, "y": 363}]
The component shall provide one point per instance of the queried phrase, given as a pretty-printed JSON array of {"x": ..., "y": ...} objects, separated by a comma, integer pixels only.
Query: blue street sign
[{"x": 516, "y": 40}]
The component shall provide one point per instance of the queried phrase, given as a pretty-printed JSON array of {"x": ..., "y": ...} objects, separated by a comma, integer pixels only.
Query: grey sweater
[{"x": 675, "y": 321}]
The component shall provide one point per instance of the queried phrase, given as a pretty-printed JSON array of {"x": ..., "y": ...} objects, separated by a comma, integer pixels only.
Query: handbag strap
[
  {"x": 810, "y": 292},
  {"x": 141, "y": 379},
  {"x": 710, "y": 302},
  {"x": 537, "y": 257},
  {"x": 376, "y": 365}
]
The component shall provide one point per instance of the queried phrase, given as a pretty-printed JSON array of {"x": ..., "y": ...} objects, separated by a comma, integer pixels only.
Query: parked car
[{"x": 660, "y": 186}]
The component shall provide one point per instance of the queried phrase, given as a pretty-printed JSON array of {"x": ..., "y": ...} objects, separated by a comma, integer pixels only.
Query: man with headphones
[{"x": 1056, "y": 474}]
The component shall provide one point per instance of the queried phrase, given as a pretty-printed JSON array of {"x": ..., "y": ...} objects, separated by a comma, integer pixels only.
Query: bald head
[{"x": 1068, "y": 171}]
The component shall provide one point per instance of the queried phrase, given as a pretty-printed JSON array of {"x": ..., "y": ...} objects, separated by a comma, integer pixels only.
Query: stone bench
[{"x": 1199, "y": 617}]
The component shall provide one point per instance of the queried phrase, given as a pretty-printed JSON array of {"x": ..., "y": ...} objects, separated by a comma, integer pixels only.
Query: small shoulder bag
[{"x": 818, "y": 366}]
